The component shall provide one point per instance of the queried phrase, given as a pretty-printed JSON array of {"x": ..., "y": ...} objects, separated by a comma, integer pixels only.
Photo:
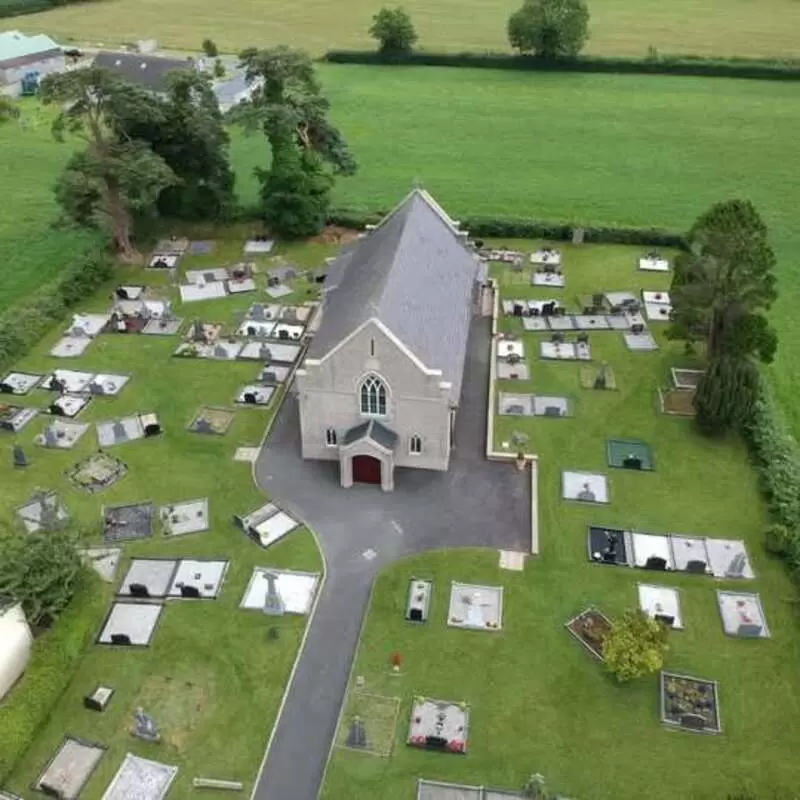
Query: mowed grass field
[
  {"x": 538, "y": 701},
  {"x": 627, "y": 150},
  {"x": 31, "y": 253},
  {"x": 762, "y": 28}
]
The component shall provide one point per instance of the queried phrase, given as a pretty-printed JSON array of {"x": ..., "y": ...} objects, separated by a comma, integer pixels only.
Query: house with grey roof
[
  {"x": 22, "y": 55},
  {"x": 147, "y": 71},
  {"x": 381, "y": 381}
]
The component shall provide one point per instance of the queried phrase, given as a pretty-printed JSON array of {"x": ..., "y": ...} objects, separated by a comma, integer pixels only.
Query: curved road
[{"x": 360, "y": 530}]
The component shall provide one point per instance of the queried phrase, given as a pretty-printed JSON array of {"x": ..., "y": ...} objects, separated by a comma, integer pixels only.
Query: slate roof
[
  {"x": 14, "y": 45},
  {"x": 149, "y": 72},
  {"x": 413, "y": 273},
  {"x": 372, "y": 429}
]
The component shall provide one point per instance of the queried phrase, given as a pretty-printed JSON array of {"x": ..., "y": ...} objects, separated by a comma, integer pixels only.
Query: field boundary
[{"x": 686, "y": 66}]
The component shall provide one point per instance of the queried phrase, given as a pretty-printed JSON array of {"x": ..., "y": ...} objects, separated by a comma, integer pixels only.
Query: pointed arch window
[
  {"x": 373, "y": 397},
  {"x": 415, "y": 445}
]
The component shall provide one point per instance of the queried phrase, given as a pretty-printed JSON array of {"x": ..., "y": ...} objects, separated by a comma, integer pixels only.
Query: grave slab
[
  {"x": 19, "y": 383},
  {"x": 148, "y": 577},
  {"x": 189, "y": 516},
  {"x": 742, "y": 615},
  {"x": 193, "y": 293},
  {"x": 510, "y": 348},
  {"x": 513, "y": 372},
  {"x": 590, "y": 322},
  {"x": 130, "y": 624},
  {"x": 61, "y": 434},
  {"x": 550, "y": 406},
  {"x": 651, "y": 551},
  {"x": 103, "y": 560},
  {"x": 129, "y": 292},
  {"x": 475, "y": 607},
  {"x": 15, "y": 418},
  {"x": 43, "y": 511},
  {"x": 621, "y": 298},
  {"x": 288, "y": 331},
  {"x": 585, "y": 487},
  {"x": 278, "y": 291},
  {"x": 515, "y": 404},
  {"x": 256, "y": 351},
  {"x": 201, "y": 247},
  {"x": 512, "y": 560},
  {"x": 163, "y": 261},
  {"x": 618, "y": 322},
  {"x": 551, "y": 279},
  {"x": 107, "y": 384},
  {"x": 640, "y": 341},
  {"x": 256, "y": 329},
  {"x": 533, "y": 324},
  {"x": 141, "y": 779},
  {"x": 610, "y": 546},
  {"x": 297, "y": 590},
  {"x": 97, "y": 471},
  {"x": 246, "y": 454},
  {"x": 67, "y": 380},
  {"x": 295, "y": 314},
  {"x": 127, "y": 429},
  {"x": 565, "y": 351},
  {"x": 686, "y": 378},
  {"x": 654, "y": 264},
  {"x": 268, "y": 524},
  {"x": 280, "y": 352},
  {"x": 656, "y": 312},
  {"x": 662, "y": 603},
  {"x": 262, "y": 245},
  {"x": 439, "y": 725},
  {"x": 70, "y": 346},
  {"x": 241, "y": 285},
  {"x": 90, "y": 324},
  {"x": 133, "y": 521},
  {"x": 70, "y": 769},
  {"x": 254, "y": 395},
  {"x": 561, "y": 323},
  {"x": 201, "y": 276},
  {"x": 546, "y": 255},
  {"x": 273, "y": 375},
  {"x": 728, "y": 559},
  {"x": 199, "y": 579},
  {"x": 162, "y": 327},
  {"x": 689, "y": 554},
  {"x": 68, "y": 405}
]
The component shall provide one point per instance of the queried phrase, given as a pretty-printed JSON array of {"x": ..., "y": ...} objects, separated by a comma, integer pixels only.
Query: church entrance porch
[{"x": 366, "y": 469}]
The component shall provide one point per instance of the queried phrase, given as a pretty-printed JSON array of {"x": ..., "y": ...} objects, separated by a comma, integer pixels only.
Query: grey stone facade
[{"x": 390, "y": 347}]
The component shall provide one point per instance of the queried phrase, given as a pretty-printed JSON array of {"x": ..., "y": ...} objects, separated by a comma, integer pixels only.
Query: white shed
[{"x": 16, "y": 641}]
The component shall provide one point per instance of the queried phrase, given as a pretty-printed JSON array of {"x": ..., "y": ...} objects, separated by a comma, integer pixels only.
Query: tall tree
[
  {"x": 187, "y": 130},
  {"x": 726, "y": 394},
  {"x": 549, "y": 28},
  {"x": 111, "y": 181},
  {"x": 287, "y": 97},
  {"x": 394, "y": 30},
  {"x": 724, "y": 282}
]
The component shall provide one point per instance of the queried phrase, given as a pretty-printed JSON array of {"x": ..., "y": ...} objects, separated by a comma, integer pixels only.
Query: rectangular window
[
  {"x": 415, "y": 445},
  {"x": 372, "y": 347},
  {"x": 330, "y": 437}
]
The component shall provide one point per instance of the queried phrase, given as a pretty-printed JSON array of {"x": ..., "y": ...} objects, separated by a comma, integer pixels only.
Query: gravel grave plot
[
  {"x": 283, "y": 353},
  {"x": 551, "y": 279},
  {"x": 273, "y": 375},
  {"x": 512, "y": 371},
  {"x": 559, "y": 323},
  {"x": 97, "y": 471},
  {"x": 132, "y": 521},
  {"x": 119, "y": 431},
  {"x": 189, "y": 516},
  {"x": 656, "y": 312},
  {"x": 689, "y": 554},
  {"x": 141, "y": 779},
  {"x": 640, "y": 341},
  {"x": 264, "y": 313},
  {"x": 43, "y": 511},
  {"x": 210, "y": 420},
  {"x": 19, "y": 383},
  {"x": 60, "y": 434},
  {"x": 70, "y": 346},
  {"x": 288, "y": 331},
  {"x": 728, "y": 559},
  {"x": 148, "y": 577},
  {"x": 297, "y": 589},
  {"x": 130, "y": 624},
  {"x": 70, "y": 769},
  {"x": 533, "y": 324},
  {"x": 198, "y": 579},
  {"x": 585, "y": 487}
]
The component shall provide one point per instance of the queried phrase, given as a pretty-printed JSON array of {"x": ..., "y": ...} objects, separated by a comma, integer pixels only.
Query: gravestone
[
  {"x": 264, "y": 353},
  {"x": 203, "y": 426},
  {"x": 667, "y": 619},
  {"x": 144, "y": 727},
  {"x": 632, "y": 462},
  {"x": 578, "y": 235},
  {"x": 257, "y": 312},
  {"x": 120, "y": 639},
  {"x": 50, "y": 437},
  {"x": 656, "y": 562},
  {"x": 250, "y": 398},
  {"x": 552, "y": 411},
  {"x": 268, "y": 376},
  {"x": 99, "y": 699},
  {"x": 586, "y": 494},
  {"x": 273, "y": 602},
  {"x": 357, "y": 735},
  {"x": 737, "y": 566},
  {"x": 96, "y": 388},
  {"x": 273, "y": 633},
  {"x": 696, "y": 567},
  {"x": 220, "y": 351},
  {"x": 18, "y": 456},
  {"x": 138, "y": 590},
  {"x": 190, "y": 591},
  {"x": 118, "y": 432}
]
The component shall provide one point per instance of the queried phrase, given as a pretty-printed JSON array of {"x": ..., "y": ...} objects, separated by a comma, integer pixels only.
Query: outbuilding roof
[{"x": 14, "y": 45}]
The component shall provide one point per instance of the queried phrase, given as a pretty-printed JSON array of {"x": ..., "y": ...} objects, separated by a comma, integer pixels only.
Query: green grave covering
[{"x": 629, "y": 454}]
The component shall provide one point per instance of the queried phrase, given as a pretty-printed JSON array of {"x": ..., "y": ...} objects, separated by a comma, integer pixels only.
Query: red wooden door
[{"x": 366, "y": 469}]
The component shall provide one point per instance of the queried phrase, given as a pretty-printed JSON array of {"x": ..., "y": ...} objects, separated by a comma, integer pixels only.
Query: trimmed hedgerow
[
  {"x": 697, "y": 66},
  {"x": 505, "y": 228},
  {"x": 26, "y": 322}
]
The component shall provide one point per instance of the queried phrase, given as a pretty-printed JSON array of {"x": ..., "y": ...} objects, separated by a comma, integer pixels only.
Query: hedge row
[
  {"x": 15, "y": 8},
  {"x": 509, "y": 228},
  {"x": 56, "y": 656},
  {"x": 665, "y": 65},
  {"x": 776, "y": 456},
  {"x": 25, "y": 323}
]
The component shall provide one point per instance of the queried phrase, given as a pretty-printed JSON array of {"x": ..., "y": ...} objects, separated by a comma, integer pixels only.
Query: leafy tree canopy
[
  {"x": 721, "y": 286},
  {"x": 550, "y": 28},
  {"x": 635, "y": 646},
  {"x": 394, "y": 31},
  {"x": 726, "y": 394},
  {"x": 209, "y": 48}
]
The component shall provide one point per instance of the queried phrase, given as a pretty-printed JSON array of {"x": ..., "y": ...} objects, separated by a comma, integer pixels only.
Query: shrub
[
  {"x": 394, "y": 30},
  {"x": 635, "y": 646},
  {"x": 778, "y": 539},
  {"x": 209, "y": 48}
]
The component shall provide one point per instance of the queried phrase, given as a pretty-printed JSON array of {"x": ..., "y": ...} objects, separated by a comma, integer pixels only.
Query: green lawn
[
  {"x": 217, "y": 726},
  {"x": 649, "y": 151},
  {"x": 618, "y": 27},
  {"x": 30, "y": 161},
  {"x": 538, "y": 701}
]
